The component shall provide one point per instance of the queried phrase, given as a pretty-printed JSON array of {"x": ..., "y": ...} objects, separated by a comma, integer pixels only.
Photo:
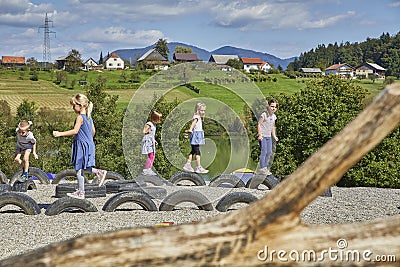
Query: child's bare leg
[
  {"x": 18, "y": 159},
  {"x": 198, "y": 160},
  {"x": 26, "y": 160}
]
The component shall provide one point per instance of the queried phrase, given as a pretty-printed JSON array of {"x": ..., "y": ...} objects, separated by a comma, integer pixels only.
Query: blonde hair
[
  {"x": 24, "y": 125},
  {"x": 83, "y": 101},
  {"x": 198, "y": 106},
  {"x": 155, "y": 117}
]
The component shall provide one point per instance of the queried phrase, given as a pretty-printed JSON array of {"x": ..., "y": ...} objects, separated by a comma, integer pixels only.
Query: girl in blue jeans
[{"x": 266, "y": 131}]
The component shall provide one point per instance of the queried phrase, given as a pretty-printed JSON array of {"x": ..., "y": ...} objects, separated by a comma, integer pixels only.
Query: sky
[{"x": 277, "y": 27}]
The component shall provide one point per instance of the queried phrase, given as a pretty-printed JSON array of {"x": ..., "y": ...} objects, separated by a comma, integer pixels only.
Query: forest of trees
[{"x": 384, "y": 51}]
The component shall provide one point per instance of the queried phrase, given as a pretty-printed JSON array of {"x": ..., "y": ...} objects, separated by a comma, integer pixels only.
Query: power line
[{"x": 46, "y": 41}]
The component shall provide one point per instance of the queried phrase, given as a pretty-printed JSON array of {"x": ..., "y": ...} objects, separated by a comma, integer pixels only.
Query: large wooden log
[{"x": 247, "y": 237}]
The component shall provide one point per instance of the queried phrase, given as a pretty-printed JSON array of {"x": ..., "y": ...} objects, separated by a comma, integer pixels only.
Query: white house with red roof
[
  {"x": 114, "y": 62},
  {"x": 250, "y": 63},
  {"x": 344, "y": 70}
]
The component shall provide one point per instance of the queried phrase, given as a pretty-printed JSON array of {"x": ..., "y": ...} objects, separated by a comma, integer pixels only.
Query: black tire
[
  {"x": 117, "y": 186},
  {"x": 152, "y": 179},
  {"x": 110, "y": 175},
  {"x": 25, "y": 186},
  {"x": 139, "y": 198},
  {"x": 70, "y": 173},
  {"x": 269, "y": 181},
  {"x": 223, "y": 179},
  {"x": 3, "y": 178},
  {"x": 91, "y": 191},
  {"x": 151, "y": 191},
  {"x": 70, "y": 204},
  {"x": 197, "y": 198},
  {"x": 33, "y": 171},
  {"x": 187, "y": 176},
  {"x": 5, "y": 188},
  {"x": 327, "y": 193},
  {"x": 25, "y": 202},
  {"x": 233, "y": 198}
]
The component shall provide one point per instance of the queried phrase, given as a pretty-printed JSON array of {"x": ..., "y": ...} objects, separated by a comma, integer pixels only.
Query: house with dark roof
[
  {"x": 154, "y": 60},
  {"x": 12, "y": 61},
  {"x": 344, "y": 70},
  {"x": 367, "y": 70},
  {"x": 250, "y": 63},
  {"x": 90, "y": 64},
  {"x": 185, "y": 57}
]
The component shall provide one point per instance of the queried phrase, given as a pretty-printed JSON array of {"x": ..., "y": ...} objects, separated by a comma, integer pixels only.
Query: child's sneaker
[
  {"x": 151, "y": 172},
  {"x": 79, "y": 194},
  {"x": 264, "y": 171},
  {"x": 188, "y": 167},
  {"x": 200, "y": 169},
  {"x": 23, "y": 178},
  {"x": 101, "y": 174},
  {"x": 145, "y": 172}
]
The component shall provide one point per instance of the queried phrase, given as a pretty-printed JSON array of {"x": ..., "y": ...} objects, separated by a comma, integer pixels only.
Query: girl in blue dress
[{"x": 83, "y": 148}]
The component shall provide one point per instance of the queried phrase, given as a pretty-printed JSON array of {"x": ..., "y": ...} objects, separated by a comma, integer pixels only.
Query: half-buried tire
[
  {"x": 25, "y": 202},
  {"x": 269, "y": 181},
  {"x": 69, "y": 204},
  {"x": 181, "y": 196},
  {"x": 139, "y": 198},
  {"x": 234, "y": 198},
  {"x": 225, "y": 180},
  {"x": 32, "y": 171},
  {"x": 187, "y": 176},
  {"x": 25, "y": 186}
]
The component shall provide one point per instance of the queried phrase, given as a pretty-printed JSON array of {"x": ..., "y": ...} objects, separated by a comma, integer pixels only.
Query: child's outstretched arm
[{"x": 78, "y": 124}]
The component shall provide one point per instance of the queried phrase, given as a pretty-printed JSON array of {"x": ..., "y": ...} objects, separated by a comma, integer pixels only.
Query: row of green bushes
[{"x": 306, "y": 121}]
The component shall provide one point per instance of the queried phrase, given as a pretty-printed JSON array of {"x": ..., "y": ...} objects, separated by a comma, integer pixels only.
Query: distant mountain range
[{"x": 133, "y": 54}]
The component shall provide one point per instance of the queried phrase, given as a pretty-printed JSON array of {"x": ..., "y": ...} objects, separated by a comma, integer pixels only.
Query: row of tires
[
  {"x": 141, "y": 198},
  {"x": 176, "y": 179}
]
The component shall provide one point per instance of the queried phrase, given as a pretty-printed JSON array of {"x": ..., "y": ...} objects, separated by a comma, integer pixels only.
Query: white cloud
[
  {"x": 121, "y": 35},
  {"x": 274, "y": 15},
  {"x": 395, "y": 4}
]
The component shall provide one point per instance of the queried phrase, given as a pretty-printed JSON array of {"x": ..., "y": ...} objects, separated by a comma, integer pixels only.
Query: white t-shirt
[
  {"x": 267, "y": 124},
  {"x": 199, "y": 124}
]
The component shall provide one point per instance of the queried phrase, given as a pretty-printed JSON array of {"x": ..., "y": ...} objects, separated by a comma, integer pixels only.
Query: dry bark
[{"x": 239, "y": 238}]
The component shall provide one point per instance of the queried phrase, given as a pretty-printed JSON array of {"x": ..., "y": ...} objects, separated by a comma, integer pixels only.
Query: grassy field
[{"x": 15, "y": 86}]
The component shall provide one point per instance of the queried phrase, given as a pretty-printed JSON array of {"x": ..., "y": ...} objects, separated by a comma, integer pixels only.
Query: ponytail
[{"x": 89, "y": 109}]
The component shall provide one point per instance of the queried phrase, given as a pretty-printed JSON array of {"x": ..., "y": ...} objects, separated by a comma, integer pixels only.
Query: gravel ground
[{"x": 20, "y": 232}]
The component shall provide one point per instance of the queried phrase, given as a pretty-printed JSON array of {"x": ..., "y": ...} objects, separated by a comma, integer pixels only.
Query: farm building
[
  {"x": 311, "y": 71},
  {"x": 185, "y": 57},
  {"x": 12, "y": 61},
  {"x": 221, "y": 59},
  {"x": 370, "y": 69},
  {"x": 154, "y": 60}
]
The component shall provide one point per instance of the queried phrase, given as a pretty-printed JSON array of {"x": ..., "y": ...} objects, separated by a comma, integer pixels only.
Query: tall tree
[
  {"x": 101, "y": 58},
  {"x": 74, "y": 62},
  {"x": 162, "y": 48},
  {"x": 183, "y": 50}
]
